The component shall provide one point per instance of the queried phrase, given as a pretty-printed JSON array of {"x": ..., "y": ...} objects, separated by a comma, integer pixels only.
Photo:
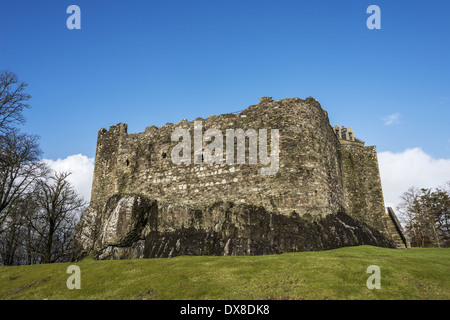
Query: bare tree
[
  {"x": 13, "y": 100},
  {"x": 20, "y": 168},
  {"x": 10, "y": 240},
  {"x": 17, "y": 241},
  {"x": 426, "y": 215},
  {"x": 409, "y": 210},
  {"x": 37, "y": 210},
  {"x": 58, "y": 206}
]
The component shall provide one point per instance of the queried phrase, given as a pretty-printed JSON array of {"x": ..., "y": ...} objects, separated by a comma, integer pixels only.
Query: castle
[{"x": 325, "y": 192}]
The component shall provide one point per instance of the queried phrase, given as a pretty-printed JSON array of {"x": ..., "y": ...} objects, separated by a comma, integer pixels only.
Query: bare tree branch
[
  {"x": 13, "y": 100},
  {"x": 20, "y": 168}
]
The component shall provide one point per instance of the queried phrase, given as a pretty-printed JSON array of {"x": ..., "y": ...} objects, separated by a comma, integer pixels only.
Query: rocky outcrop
[{"x": 133, "y": 226}]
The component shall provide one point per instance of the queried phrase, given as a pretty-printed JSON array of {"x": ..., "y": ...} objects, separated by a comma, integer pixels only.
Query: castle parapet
[{"x": 346, "y": 136}]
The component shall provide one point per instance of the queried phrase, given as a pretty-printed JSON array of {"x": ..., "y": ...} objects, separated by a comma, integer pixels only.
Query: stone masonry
[{"x": 325, "y": 194}]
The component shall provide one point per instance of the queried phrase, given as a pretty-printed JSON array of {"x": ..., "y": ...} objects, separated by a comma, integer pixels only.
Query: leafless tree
[
  {"x": 426, "y": 215},
  {"x": 38, "y": 210},
  {"x": 58, "y": 206},
  {"x": 17, "y": 241},
  {"x": 13, "y": 100},
  {"x": 20, "y": 168}
]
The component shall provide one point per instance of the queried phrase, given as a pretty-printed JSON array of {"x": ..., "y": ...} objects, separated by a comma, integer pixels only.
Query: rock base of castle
[{"x": 133, "y": 226}]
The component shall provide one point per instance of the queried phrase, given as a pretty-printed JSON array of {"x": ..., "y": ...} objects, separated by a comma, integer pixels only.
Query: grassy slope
[{"x": 334, "y": 274}]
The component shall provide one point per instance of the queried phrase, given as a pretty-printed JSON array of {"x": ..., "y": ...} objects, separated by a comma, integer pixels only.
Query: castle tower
[
  {"x": 325, "y": 192},
  {"x": 362, "y": 185}
]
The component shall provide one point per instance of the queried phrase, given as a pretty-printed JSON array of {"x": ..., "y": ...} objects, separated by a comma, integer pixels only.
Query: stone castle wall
[
  {"x": 362, "y": 184},
  {"x": 325, "y": 194},
  {"x": 309, "y": 179}
]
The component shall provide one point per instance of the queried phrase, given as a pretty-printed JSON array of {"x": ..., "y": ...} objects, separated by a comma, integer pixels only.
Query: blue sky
[{"x": 152, "y": 62}]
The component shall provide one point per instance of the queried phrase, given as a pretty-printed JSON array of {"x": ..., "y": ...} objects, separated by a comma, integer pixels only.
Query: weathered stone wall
[
  {"x": 309, "y": 179},
  {"x": 325, "y": 194},
  {"x": 395, "y": 230},
  {"x": 362, "y": 184}
]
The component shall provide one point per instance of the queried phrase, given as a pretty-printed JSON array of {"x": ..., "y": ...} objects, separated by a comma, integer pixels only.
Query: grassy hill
[{"x": 333, "y": 274}]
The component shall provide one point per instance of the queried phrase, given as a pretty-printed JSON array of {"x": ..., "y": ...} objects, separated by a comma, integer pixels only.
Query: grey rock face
[
  {"x": 127, "y": 218},
  {"x": 85, "y": 233},
  {"x": 132, "y": 226}
]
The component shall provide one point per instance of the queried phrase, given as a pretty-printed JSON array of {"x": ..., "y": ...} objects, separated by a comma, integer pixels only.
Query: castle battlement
[{"x": 346, "y": 136}]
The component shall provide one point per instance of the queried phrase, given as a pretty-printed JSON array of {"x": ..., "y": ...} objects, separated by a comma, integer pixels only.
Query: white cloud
[
  {"x": 412, "y": 167},
  {"x": 82, "y": 169},
  {"x": 391, "y": 119}
]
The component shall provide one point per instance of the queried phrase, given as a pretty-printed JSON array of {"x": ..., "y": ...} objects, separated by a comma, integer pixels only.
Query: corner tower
[{"x": 362, "y": 185}]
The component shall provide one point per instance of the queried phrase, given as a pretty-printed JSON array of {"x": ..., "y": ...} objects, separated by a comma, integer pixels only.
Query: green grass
[{"x": 333, "y": 274}]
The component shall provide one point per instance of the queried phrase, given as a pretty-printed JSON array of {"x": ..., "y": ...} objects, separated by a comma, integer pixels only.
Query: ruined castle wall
[
  {"x": 145, "y": 205},
  {"x": 308, "y": 182},
  {"x": 362, "y": 184}
]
